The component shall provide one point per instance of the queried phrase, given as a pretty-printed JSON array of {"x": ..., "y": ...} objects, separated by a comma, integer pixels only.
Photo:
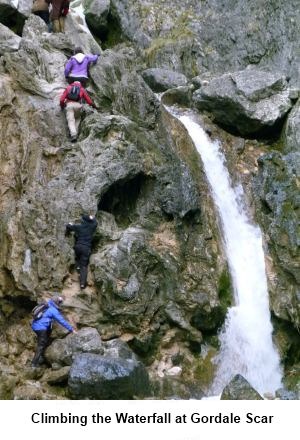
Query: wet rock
[
  {"x": 62, "y": 351},
  {"x": 181, "y": 96},
  {"x": 277, "y": 189},
  {"x": 240, "y": 389},
  {"x": 160, "y": 80},
  {"x": 283, "y": 394},
  {"x": 248, "y": 101},
  {"x": 97, "y": 377}
]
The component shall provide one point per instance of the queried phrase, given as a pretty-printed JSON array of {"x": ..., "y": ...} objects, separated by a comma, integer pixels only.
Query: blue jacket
[{"x": 52, "y": 313}]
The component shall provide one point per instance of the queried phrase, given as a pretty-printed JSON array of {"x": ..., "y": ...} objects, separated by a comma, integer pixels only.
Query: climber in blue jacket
[{"x": 43, "y": 327}]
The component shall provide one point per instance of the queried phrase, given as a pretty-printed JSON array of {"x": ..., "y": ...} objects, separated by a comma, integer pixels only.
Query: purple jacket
[{"x": 77, "y": 66}]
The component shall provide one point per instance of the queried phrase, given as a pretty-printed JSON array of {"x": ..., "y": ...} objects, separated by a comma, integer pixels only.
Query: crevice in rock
[
  {"x": 122, "y": 197},
  {"x": 12, "y": 19},
  {"x": 109, "y": 34},
  {"x": 15, "y": 307}
]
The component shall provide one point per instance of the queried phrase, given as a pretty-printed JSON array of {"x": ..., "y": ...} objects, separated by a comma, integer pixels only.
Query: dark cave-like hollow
[
  {"x": 122, "y": 197},
  {"x": 12, "y": 19}
]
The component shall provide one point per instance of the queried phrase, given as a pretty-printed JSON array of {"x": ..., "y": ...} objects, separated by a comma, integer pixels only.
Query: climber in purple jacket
[{"x": 77, "y": 68}]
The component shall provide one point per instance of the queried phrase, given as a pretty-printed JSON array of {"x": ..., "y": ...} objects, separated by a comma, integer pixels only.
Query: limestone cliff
[{"x": 158, "y": 277}]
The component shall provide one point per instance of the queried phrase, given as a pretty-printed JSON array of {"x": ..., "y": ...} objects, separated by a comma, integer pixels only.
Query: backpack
[
  {"x": 74, "y": 93},
  {"x": 39, "y": 310}
]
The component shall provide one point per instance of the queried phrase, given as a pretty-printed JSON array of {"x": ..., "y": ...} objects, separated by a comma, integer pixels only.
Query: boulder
[
  {"x": 160, "y": 80},
  {"x": 249, "y": 102},
  {"x": 98, "y": 377},
  {"x": 56, "y": 377},
  {"x": 240, "y": 389},
  {"x": 62, "y": 351},
  {"x": 283, "y": 394},
  {"x": 116, "y": 348}
]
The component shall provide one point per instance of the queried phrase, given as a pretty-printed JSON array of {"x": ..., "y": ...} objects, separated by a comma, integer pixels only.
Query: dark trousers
[
  {"x": 44, "y": 15},
  {"x": 82, "y": 258},
  {"x": 43, "y": 340},
  {"x": 82, "y": 79}
]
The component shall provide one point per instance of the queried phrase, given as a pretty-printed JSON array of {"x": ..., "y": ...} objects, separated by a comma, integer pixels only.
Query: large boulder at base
[
  {"x": 62, "y": 351},
  {"x": 98, "y": 377},
  {"x": 160, "y": 80},
  {"x": 249, "y": 101},
  {"x": 240, "y": 389}
]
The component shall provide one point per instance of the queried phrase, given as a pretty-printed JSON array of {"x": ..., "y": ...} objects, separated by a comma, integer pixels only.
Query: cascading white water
[{"x": 246, "y": 339}]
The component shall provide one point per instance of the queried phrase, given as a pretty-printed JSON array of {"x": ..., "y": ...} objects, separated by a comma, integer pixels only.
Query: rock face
[
  {"x": 98, "y": 377},
  {"x": 193, "y": 37},
  {"x": 240, "y": 389},
  {"x": 278, "y": 191},
  {"x": 249, "y": 101},
  {"x": 161, "y": 80},
  {"x": 9, "y": 40},
  {"x": 158, "y": 276}
]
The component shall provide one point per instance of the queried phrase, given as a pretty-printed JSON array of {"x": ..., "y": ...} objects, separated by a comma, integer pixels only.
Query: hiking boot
[
  {"x": 73, "y": 139},
  {"x": 82, "y": 286}
]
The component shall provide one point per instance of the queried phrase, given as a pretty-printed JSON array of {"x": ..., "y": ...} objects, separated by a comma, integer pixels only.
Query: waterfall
[{"x": 246, "y": 338}]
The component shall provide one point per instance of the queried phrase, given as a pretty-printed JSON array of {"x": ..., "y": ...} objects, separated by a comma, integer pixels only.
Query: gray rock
[
  {"x": 277, "y": 192},
  {"x": 33, "y": 390},
  {"x": 181, "y": 96},
  {"x": 192, "y": 37},
  {"x": 62, "y": 351},
  {"x": 284, "y": 394},
  {"x": 240, "y": 389},
  {"x": 160, "y": 80},
  {"x": 291, "y": 136},
  {"x": 96, "y": 12},
  {"x": 97, "y": 377},
  {"x": 10, "y": 7},
  {"x": 129, "y": 24},
  {"x": 118, "y": 349},
  {"x": 249, "y": 101},
  {"x": 9, "y": 41},
  {"x": 56, "y": 377}
]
